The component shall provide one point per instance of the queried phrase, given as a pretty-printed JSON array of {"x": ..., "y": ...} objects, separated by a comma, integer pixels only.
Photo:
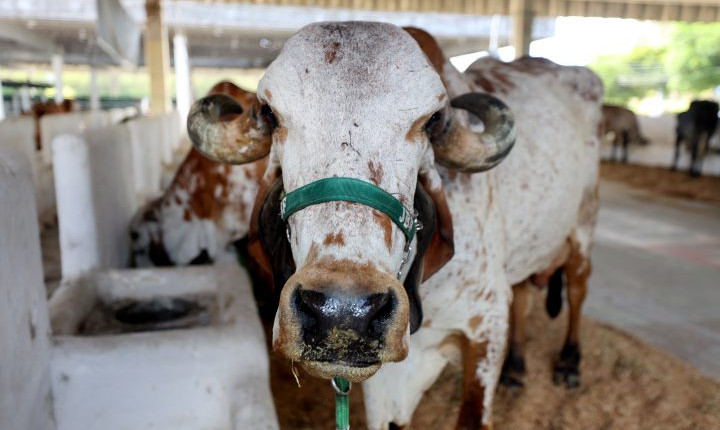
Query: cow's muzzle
[{"x": 342, "y": 321}]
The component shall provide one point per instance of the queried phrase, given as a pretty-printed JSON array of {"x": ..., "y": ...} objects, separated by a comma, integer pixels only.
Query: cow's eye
[
  {"x": 435, "y": 125},
  {"x": 269, "y": 117}
]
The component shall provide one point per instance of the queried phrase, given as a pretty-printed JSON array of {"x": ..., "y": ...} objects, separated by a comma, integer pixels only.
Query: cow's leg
[
  {"x": 615, "y": 145},
  {"x": 676, "y": 155},
  {"x": 482, "y": 362},
  {"x": 577, "y": 270},
  {"x": 474, "y": 390},
  {"x": 695, "y": 143},
  {"x": 625, "y": 141},
  {"x": 703, "y": 148},
  {"x": 513, "y": 369}
]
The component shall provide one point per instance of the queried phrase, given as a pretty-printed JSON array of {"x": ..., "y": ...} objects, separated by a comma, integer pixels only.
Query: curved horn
[
  {"x": 221, "y": 129},
  {"x": 462, "y": 149}
]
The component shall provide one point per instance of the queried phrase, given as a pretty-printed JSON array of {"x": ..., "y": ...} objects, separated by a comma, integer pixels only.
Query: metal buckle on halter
[{"x": 408, "y": 245}]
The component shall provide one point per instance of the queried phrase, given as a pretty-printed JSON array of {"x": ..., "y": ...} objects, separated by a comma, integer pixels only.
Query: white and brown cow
[
  {"x": 369, "y": 102},
  {"x": 620, "y": 126},
  {"x": 206, "y": 207}
]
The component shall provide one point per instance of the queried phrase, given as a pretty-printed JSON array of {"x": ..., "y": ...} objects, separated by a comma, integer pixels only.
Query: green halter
[
  {"x": 350, "y": 190},
  {"x": 357, "y": 191}
]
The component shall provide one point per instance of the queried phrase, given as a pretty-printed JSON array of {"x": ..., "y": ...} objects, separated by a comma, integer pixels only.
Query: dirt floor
[
  {"x": 626, "y": 385},
  {"x": 663, "y": 181}
]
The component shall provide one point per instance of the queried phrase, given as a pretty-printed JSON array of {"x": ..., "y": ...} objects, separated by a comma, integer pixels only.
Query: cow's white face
[
  {"x": 350, "y": 101},
  {"x": 358, "y": 100}
]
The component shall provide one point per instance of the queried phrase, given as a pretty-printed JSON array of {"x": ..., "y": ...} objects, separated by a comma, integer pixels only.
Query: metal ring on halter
[{"x": 339, "y": 391}]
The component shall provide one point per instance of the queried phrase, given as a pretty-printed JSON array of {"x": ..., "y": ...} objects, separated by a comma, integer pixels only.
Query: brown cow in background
[{"x": 622, "y": 124}]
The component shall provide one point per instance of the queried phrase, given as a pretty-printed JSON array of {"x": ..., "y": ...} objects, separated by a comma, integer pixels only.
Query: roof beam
[{"x": 23, "y": 36}]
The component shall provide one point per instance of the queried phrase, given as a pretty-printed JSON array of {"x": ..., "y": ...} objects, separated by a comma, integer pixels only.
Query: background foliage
[{"x": 688, "y": 66}]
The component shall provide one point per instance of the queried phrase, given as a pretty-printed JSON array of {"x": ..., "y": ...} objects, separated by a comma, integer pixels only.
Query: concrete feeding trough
[{"x": 176, "y": 348}]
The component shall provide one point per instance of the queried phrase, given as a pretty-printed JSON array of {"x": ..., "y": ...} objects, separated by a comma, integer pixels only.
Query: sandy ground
[
  {"x": 664, "y": 181},
  {"x": 626, "y": 385}
]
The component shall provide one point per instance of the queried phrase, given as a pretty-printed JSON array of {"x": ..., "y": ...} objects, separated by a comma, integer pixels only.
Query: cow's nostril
[
  {"x": 308, "y": 305},
  {"x": 383, "y": 313},
  {"x": 322, "y": 316}
]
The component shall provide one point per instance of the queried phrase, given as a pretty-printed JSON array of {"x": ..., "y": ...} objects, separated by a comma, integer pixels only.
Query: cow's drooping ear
[
  {"x": 442, "y": 244},
  {"x": 225, "y": 131},
  {"x": 267, "y": 240},
  {"x": 427, "y": 217}
]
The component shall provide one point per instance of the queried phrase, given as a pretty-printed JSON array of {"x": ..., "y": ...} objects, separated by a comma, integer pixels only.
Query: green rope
[{"x": 342, "y": 403}]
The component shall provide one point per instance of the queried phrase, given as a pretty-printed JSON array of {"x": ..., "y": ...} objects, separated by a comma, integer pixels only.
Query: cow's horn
[
  {"x": 220, "y": 129},
  {"x": 462, "y": 149}
]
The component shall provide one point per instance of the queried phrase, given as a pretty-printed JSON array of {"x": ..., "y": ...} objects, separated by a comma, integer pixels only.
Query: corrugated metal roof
[{"x": 659, "y": 10}]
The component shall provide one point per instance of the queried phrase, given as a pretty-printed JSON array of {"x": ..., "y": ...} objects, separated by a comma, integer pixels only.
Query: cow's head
[{"x": 352, "y": 100}]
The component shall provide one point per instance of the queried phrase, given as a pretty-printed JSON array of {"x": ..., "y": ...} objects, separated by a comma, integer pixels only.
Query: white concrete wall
[
  {"x": 174, "y": 129},
  {"x": 118, "y": 114},
  {"x": 95, "y": 193},
  {"x": 25, "y": 398},
  {"x": 148, "y": 144},
  {"x": 20, "y": 133},
  {"x": 155, "y": 142},
  {"x": 53, "y": 125},
  {"x": 213, "y": 376}
]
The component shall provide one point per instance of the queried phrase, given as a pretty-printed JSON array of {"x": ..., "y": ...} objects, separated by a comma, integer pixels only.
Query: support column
[
  {"x": 94, "y": 94},
  {"x": 2, "y": 102},
  {"x": 493, "y": 43},
  {"x": 183, "y": 89},
  {"x": 157, "y": 57},
  {"x": 57, "y": 67},
  {"x": 15, "y": 103},
  {"x": 522, "y": 16},
  {"x": 25, "y": 103}
]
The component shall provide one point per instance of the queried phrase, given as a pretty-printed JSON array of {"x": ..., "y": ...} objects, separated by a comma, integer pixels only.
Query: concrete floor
[{"x": 657, "y": 272}]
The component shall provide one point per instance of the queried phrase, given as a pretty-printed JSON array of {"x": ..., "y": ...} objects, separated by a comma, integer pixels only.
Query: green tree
[
  {"x": 633, "y": 75},
  {"x": 693, "y": 58}
]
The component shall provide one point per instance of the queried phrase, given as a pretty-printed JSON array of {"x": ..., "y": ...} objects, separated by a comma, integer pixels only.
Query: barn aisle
[{"x": 657, "y": 272}]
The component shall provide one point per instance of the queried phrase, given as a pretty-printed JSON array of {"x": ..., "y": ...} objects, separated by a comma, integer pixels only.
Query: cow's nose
[{"x": 321, "y": 313}]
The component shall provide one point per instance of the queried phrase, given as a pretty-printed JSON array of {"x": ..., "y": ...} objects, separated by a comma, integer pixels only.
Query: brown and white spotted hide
[
  {"x": 203, "y": 211},
  {"x": 510, "y": 224},
  {"x": 373, "y": 102}
]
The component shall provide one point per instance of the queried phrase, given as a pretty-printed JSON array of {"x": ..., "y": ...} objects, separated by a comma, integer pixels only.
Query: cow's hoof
[
  {"x": 569, "y": 377},
  {"x": 567, "y": 369},
  {"x": 511, "y": 381},
  {"x": 513, "y": 370}
]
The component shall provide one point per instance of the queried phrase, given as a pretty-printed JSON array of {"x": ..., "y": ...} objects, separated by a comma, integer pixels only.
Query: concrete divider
[
  {"x": 19, "y": 133},
  {"x": 94, "y": 185},
  {"x": 54, "y": 125},
  {"x": 172, "y": 133},
  {"x": 116, "y": 115},
  {"x": 147, "y": 142},
  {"x": 25, "y": 393},
  {"x": 207, "y": 368}
]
